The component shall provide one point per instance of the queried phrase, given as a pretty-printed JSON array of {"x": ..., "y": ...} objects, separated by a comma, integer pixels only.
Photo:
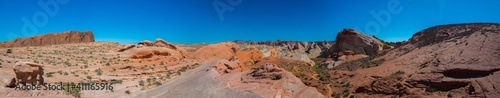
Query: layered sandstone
[
  {"x": 67, "y": 37},
  {"x": 349, "y": 39}
]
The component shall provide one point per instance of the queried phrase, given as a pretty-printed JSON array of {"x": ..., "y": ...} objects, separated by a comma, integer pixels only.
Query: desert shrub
[
  {"x": 157, "y": 83},
  {"x": 116, "y": 81},
  {"x": 162, "y": 63},
  {"x": 127, "y": 92},
  {"x": 149, "y": 80},
  {"x": 430, "y": 89},
  {"x": 67, "y": 63},
  {"x": 107, "y": 64},
  {"x": 276, "y": 77},
  {"x": 9, "y": 50},
  {"x": 65, "y": 73},
  {"x": 72, "y": 90},
  {"x": 60, "y": 72},
  {"x": 89, "y": 77},
  {"x": 98, "y": 71},
  {"x": 48, "y": 75},
  {"x": 183, "y": 69},
  {"x": 141, "y": 83}
]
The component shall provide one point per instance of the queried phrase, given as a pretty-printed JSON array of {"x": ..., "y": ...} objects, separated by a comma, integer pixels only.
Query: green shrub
[
  {"x": 49, "y": 75},
  {"x": 430, "y": 89},
  {"x": 73, "y": 91},
  {"x": 127, "y": 92},
  {"x": 9, "y": 50},
  {"x": 276, "y": 77},
  {"x": 162, "y": 63},
  {"x": 98, "y": 71},
  {"x": 141, "y": 83},
  {"x": 157, "y": 83}
]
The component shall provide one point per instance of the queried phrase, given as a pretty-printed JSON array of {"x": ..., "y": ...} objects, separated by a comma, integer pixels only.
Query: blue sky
[{"x": 197, "y": 21}]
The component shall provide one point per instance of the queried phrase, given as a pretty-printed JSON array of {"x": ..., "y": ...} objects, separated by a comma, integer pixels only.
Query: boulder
[
  {"x": 27, "y": 72},
  {"x": 359, "y": 43},
  {"x": 303, "y": 58}
]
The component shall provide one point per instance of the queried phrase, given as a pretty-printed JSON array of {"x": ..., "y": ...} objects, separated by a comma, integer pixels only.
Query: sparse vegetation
[
  {"x": 127, "y": 92},
  {"x": 9, "y": 50},
  {"x": 276, "y": 77},
  {"x": 71, "y": 90},
  {"x": 430, "y": 89},
  {"x": 157, "y": 83},
  {"x": 141, "y": 82},
  {"x": 49, "y": 75},
  {"x": 98, "y": 71}
]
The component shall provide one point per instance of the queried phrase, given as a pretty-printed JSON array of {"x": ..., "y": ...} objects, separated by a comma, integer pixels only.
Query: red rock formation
[
  {"x": 349, "y": 39},
  {"x": 459, "y": 60},
  {"x": 162, "y": 43},
  {"x": 223, "y": 50},
  {"x": 67, "y": 37}
]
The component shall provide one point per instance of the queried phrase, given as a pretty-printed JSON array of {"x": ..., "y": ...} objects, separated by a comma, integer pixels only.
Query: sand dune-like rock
[
  {"x": 223, "y": 50},
  {"x": 67, "y": 37}
]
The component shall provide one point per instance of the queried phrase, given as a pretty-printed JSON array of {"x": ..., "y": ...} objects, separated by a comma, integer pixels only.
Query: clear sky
[{"x": 197, "y": 21}]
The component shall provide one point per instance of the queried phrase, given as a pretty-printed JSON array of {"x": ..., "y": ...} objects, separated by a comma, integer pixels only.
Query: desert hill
[{"x": 68, "y": 37}]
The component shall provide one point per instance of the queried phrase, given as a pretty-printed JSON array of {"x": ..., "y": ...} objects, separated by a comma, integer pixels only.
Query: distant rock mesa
[{"x": 67, "y": 37}]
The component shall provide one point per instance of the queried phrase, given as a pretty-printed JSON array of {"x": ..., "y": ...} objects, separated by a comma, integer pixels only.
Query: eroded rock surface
[{"x": 67, "y": 37}]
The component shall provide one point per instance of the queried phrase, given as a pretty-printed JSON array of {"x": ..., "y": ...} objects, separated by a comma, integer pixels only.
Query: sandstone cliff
[{"x": 67, "y": 37}]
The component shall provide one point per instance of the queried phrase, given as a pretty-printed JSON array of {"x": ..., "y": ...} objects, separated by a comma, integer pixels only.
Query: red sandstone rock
[{"x": 67, "y": 37}]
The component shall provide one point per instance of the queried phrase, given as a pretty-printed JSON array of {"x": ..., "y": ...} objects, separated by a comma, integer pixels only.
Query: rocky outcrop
[
  {"x": 349, "y": 39},
  {"x": 267, "y": 71},
  {"x": 464, "y": 56},
  {"x": 67, "y": 37},
  {"x": 229, "y": 67},
  {"x": 304, "y": 58},
  {"x": 145, "y": 43},
  {"x": 27, "y": 72},
  {"x": 291, "y": 48},
  {"x": 143, "y": 53},
  {"x": 147, "y": 49},
  {"x": 248, "y": 57},
  {"x": 162, "y": 43},
  {"x": 459, "y": 60},
  {"x": 210, "y": 81},
  {"x": 223, "y": 50}
]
